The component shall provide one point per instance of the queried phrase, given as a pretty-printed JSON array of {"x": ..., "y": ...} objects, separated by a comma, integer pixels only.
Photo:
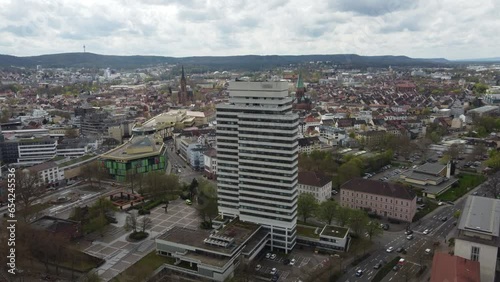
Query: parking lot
[{"x": 306, "y": 261}]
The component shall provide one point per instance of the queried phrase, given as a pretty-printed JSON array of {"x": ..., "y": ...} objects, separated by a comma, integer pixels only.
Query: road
[
  {"x": 186, "y": 172},
  {"x": 439, "y": 232}
]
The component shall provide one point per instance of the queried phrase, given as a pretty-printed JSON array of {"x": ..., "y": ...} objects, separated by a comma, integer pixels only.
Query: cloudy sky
[{"x": 451, "y": 29}]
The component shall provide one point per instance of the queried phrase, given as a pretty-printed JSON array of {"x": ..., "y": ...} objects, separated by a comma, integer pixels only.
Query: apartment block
[{"x": 315, "y": 183}]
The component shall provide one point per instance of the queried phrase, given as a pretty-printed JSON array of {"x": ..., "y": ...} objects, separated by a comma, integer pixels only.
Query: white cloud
[{"x": 450, "y": 29}]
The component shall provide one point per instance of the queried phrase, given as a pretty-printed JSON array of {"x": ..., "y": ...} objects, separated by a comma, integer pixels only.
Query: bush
[
  {"x": 143, "y": 212},
  {"x": 149, "y": 205},
  {"x": 206, "y": 225},
  {"x": 137, "y": 236}
]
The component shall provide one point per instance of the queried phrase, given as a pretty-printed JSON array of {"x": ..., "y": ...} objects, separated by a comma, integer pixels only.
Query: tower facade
[
  {"x": 183, "y": 90},
  {"x": 257, "y": 152}
]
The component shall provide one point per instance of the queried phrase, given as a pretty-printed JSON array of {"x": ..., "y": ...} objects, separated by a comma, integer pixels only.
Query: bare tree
[
  {"x": 145, "y": 223},
  {"x": 131, "y": 222},
  {"x": 492, "y": 186},
  {"x": 28, "y": 188}
]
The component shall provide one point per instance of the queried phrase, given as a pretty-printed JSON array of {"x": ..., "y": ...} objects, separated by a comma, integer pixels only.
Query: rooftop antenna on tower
[{"x": 83, "y": 48}]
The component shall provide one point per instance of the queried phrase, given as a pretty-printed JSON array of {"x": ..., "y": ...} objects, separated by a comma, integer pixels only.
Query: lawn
[
  {"x": 141, "y": 270},
  {"x": 466, "y": 182},
  {"x": 430, "y": 206}
]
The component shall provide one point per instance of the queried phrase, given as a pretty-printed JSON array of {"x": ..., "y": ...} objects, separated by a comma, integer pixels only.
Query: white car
[
  {"x": 268, "y": 255},
  {"x": 274, "y": 270},
  {"x": 292, "y": 262},
  {"x": 440, "y": 203},
  {"x": 426, "y": 231},
  {"x": 258, "y": 267},
  {"x": 390, "y": 249},
  {"x": 273, "y": 256}
]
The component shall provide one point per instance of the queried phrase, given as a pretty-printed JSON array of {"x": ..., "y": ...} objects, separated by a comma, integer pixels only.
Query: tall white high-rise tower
[{"x": 257, "y": 154}]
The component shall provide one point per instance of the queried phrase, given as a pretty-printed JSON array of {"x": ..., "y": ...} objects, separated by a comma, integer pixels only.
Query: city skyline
[{"x": 451, "y": 30}]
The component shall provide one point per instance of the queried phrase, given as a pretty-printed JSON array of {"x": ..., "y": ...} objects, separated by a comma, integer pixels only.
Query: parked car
[
  {"x": 426, "y": 231},
  {"x": 395, "y": 268},
  {"x": 292, "y": 262},
  {"x": 274, "y": 270},
  {"x": 390, "y": 249},
  {"x": 475, "y": 193},
  {"x": 188, "y": 202},
  {"x": 408, "y": 232},
  {"x": 258, "y": 267},
  {"x": 268, "y": 255},
  {"x": 440, "y": 203},
  {"x": 273, "y": 256},
  {"x": 409, "y": 237},
  {"x": 385, "y": 227}
]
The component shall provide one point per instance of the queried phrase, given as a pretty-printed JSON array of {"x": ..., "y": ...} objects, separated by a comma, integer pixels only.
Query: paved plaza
[{"x": 120, "y": 254}]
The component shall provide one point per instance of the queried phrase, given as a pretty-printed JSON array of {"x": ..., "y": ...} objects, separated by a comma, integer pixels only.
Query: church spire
[
  {"x": 183, "y": 77},
  {"x": 300, "y": 82}
]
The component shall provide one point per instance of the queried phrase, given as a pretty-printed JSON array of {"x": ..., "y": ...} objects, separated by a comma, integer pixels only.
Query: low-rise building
[
  {"x": 211, "y": 255},
  {"x": 433, "y": 178},
  {"x": 315, "y": 183},
  {"x": 389, "y": 200},
  {"x": 329, "y": 238},
  {"x": 331, "y": 135},
  {"x": 309, "y": 144},
  {"x": 48, "y": 173},
  {"x": 479, "y": 234}
]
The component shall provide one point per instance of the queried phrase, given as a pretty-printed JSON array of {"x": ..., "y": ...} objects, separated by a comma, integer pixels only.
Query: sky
[{"x": 452, "y": 29}]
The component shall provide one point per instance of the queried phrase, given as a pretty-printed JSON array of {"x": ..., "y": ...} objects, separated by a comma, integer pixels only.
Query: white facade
[
  {"x": 487, "y": 257},
  {"x": 72, "y": 152},
  {"x": 36, "y": 151},
  {"x": 320, "y": 193},
  {"x": 210, "y": 163},
  {"x": 257, "y": 153}
]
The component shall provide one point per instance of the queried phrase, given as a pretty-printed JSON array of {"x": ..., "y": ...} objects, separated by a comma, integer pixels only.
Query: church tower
[
  {"x": 300, "y": 90},
  {"x": 183, "y": 91}
]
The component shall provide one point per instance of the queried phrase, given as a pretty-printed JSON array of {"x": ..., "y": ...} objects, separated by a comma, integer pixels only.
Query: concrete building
[
  {"x": 433, "y": 178},
  {"x": 141, "y": 154},
  {"x": 388, "y": 200},
  {"x": 211, "y": 255},
  {"x": 478, "y": 234},
  {"x": 33, "y": 151},
  {"x": 329, "y": 238},
  {"x": 309, "y": 144},
  {"x": 331, "y": 135},
  {"x": 257, "y": 154},
  {"x": 316, "y": 184},
  {"x": 48, "y": 173},
  {"x": 210, "y": 162}
]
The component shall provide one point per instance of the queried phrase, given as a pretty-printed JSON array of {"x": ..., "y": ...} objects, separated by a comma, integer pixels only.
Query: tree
[
  {"x": 373, "y": 229},
  {"x": 131, "y": 222},
  {"x": 192, "y": 188},
  {"x": 145, "y": 223},
  {"x": 28, "y": 189},
  {"x": 326, "y": 211},
  {"x": 492, "y": 186},
  {"x": 307, "y": 205},
  {"x": 348, "y": 171},
  {"x": 342, "y": 215},
  {"x": 207, "y": 201},
  {"x": 457, "y": 213},
  {"x": 358, "y": 221}
]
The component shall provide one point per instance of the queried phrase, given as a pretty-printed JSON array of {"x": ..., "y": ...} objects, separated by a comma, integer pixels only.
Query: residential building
[
  {"x": 331, "y": 135},
  {"x": 257, "y": 154},
  {"x": 309, "y": 144},
  {"x": 141, "y": 154},
  {"x": 478, "y": 234},
  {"x": 210, "y": 162},
  {"x": 315, "y": 183},
  {"x": 211, "y": 255},
  {"x": 446, "y": 267},
  {"x": 389, "y": 200}
]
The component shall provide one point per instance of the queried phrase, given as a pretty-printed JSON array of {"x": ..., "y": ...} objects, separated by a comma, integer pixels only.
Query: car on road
[
  {"x": 378, "y": 265},
  {"x": 292, "y": 262},
  {"x": 268, "y": 255},
  {"x": 273, "y": 256},
  {"x": 408, "y": 232},
  {"x": 410, "y": 237},
  {"x": 395, "y": 268},
  {"x": 475, "y": 193},
  {"x": 258, "y": 267},
  {"x": 444, "y": 218},
  {"x": 286, "y": 261},
  {"x": 390, "y": 249},
  {"x": 400, "y": 250},
  {"x": 426, "y": 231},
  {"x": 274, "y": 270},
  {"x": 359, "y": 273}
]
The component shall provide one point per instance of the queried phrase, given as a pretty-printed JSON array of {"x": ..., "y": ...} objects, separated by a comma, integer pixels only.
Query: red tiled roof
[
  {"x": 311, "y": 178},
  {"x": 450, "y": 268},
  {"x": 379, "y": 188}
]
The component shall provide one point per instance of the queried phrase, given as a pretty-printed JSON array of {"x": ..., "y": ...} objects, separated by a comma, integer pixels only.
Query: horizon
[{"x": 417, "y": 29}]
